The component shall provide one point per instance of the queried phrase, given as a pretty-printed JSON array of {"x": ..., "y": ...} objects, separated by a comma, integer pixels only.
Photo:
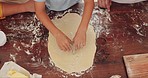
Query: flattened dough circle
[{"x": 80, "y": 60}]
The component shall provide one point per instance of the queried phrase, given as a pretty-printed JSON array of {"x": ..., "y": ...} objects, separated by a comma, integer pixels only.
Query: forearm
[
  {"x": 44, "y": 18},
  {"x": 87, "y": 13}
]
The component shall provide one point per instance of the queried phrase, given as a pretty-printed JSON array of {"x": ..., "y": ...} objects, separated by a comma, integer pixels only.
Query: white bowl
[
  {"x": 127, "y": 1},
  {"x": 3, "y": 38}
]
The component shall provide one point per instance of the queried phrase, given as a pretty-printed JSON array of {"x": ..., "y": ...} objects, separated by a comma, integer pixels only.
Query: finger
[
  {"x": 100, "y": 3},
  {"x": 71, "y": 42},
  {"x": 68, "y": 47},
  {"x": 62, "y": 48},
  {"x": 75, "y": 46},
  {"x": 83, "y": 44},
  {"x": 108, "y": 3},
  {"x": 103, "y": 3},
  {"x": 79, "y": 46}
]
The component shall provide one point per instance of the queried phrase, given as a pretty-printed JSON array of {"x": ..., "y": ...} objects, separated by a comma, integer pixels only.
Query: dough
[{"x": 74, "y": 61}]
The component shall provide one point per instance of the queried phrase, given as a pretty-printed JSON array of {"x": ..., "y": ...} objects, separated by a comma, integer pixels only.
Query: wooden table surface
[
  {"x": 121, "y": 32},
  {"x": 136, "y": 65}
]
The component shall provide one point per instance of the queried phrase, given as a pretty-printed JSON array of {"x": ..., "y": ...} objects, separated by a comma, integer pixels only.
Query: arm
[
  {"x": 104, "y": 4},
  {"x": 80, "y": 36},
  {"x": 59, "y": 36}
]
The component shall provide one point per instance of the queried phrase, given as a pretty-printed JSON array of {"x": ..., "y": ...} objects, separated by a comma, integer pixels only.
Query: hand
[
  {"x": 104, "y": 4},
  {"x": 63, "y": 41},
  {"x": 79, "y": 40}
]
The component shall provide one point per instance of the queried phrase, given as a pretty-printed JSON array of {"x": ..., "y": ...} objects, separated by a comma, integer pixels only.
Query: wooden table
[
  {"x": 137, "y": 65},
  {"x": 125, "y": 33}
]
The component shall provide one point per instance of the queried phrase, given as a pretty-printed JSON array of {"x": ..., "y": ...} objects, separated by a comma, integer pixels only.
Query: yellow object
[
  {"x": 1, "y": 11},
  {"x": 15, "y": 74}
]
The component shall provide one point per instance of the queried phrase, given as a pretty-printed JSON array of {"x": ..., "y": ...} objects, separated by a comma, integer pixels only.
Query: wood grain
[{"x": 137, "y": 65}]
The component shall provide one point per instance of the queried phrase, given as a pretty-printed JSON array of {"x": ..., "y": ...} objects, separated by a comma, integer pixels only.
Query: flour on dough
[{"x": 80, "y": 60}]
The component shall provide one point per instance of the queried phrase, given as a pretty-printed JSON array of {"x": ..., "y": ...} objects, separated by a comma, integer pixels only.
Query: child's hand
[
  {"x": 79, "y": 40},
  {"x": 104, "y": 4},
  {"x": 63, "y": 41}
]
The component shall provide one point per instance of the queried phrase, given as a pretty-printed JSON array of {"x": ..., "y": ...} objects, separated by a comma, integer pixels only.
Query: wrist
[
  {"x": 83, "y": 28},
  {"x": 57, "y": 33}
]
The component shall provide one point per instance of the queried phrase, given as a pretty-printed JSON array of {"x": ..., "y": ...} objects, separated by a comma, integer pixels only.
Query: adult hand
[{"x": 104, "y": 4}]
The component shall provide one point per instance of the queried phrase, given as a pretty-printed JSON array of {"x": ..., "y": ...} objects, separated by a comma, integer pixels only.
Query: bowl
[{"x": 3, "y": 38}]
